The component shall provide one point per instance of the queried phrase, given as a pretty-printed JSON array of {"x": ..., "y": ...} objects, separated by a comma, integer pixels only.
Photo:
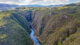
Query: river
[{"x": 33, "y": 37}]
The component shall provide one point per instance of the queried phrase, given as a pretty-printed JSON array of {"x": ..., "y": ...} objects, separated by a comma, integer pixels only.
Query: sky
[{"x": 39, "y": 2}]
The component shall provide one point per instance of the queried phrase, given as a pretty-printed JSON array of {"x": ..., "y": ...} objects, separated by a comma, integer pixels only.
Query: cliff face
[
  {"x": 57, "y": 26},
  {"x": 14, "y": 29}
]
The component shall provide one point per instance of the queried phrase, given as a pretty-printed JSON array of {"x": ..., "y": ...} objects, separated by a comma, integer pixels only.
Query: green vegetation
[{"x": 14, "y": 29}]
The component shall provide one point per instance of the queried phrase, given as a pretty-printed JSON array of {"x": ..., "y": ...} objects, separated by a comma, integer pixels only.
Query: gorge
[
  {"x": 32, "y": 34},
  {"x": 36, "y": 41},
  {"x": 56, "y": 26},
  {"x": 41, "y": 26}
]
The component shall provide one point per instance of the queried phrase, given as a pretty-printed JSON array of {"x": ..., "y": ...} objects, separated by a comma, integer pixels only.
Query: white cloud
[
  {"x": 45, "y": 2},
  {"x": 30, "y": 2}
]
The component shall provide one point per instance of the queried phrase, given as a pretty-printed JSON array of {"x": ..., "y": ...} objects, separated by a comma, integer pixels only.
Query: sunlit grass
[
  {"x": 3, "y": 36},
  {"x": 2, "y": 15},
  {"x": 2, "y": 23}
]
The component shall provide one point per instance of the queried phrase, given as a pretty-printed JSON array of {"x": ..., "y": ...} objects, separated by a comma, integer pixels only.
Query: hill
[{"x": 14, "y": 29}]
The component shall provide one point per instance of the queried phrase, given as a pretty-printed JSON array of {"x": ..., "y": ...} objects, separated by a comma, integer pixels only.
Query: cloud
[
  {"x": 74, "y": 1},
  {"x": 49, "y": 2},
  {"x": 41, "y": 2},
  {"x": 45, "y": 2},
  {"x": 10, "y": 1}
]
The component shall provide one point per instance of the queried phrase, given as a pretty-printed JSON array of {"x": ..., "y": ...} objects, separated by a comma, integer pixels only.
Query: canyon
[{"x": 42, "y": 25}]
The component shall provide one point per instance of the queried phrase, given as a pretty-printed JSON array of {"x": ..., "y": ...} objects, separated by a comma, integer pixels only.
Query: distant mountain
[
  {"x": 42, "y": 5},
  {"x": 7, "y": 6}
]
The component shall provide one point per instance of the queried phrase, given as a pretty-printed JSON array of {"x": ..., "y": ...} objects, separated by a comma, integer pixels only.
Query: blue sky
[{"x": 40, "y": 2}]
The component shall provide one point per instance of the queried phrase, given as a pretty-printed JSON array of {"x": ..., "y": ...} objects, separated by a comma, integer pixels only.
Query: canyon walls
[{"x": 14, "y": 29}]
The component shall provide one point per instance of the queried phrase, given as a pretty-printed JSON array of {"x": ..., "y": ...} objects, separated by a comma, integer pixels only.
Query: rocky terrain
[{"x": 53, "y": 25}]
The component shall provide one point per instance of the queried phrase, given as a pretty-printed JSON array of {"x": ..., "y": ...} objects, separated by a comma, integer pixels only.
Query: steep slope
[
  {"x": 58, "y": 25},
  {"x": 14, "y": 29},
  {"x": 55, "y": 25}
]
